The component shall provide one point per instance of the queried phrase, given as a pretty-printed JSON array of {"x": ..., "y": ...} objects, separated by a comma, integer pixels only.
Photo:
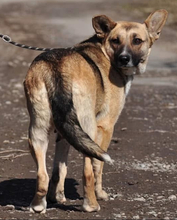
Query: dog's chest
[
  {"x": 112, "y": 107},
  {"x": 128, "y": 84},
  {"x": 114, "y": 102}
]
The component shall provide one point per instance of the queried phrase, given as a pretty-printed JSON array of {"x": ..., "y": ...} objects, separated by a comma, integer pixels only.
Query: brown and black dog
[{"x": 80, "y": 92}]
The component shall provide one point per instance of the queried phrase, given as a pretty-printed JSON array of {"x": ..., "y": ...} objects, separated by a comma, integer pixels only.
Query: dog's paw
[
  {"x": 90, "y": 208},
  {"x": 38, "y": 206},
  {"x": 102, "y": 195},
  {"x": 60, "y": 197},
  {"x": 56, "y": 197},
  {"x": 37, "y": 209}
]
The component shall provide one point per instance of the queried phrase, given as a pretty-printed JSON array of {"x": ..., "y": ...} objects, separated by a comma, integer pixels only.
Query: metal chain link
[{"x": 7, "y": 39}]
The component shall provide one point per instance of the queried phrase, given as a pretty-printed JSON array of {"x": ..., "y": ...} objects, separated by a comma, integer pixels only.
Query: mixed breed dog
[{"x": 80, "y": 92}]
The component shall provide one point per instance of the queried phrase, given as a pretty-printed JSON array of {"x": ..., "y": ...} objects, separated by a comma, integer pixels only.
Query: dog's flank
[
  {"x": 80, "y": 92},
  {"x": 66, "y": 122},
  {"x": 59, "y": 90}
]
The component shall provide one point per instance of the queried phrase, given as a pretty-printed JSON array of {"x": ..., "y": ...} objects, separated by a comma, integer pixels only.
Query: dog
[{"x": 80, "y": 92}]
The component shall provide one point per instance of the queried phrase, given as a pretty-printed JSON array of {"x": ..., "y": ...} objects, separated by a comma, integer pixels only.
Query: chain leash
[{"x": 7, "y": 39}]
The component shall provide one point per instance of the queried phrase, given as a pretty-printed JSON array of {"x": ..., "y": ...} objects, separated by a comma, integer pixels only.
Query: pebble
[
  {"x": 24, "y": 63},
  {"x": 8, "y": 102},
  {"x": 6, "y": 141},
  {"x": 16, "y": 61},
  {"x": 123, "y": 129},
  {"x": 114, "y": 196},
  {"x": 24, "y": 138},
  {"x": 141, "y": 199},
  {"x": 18, "y": 85},
  {"x": 20, "y": 141},
  {"x": 136, "y": 217},
  {"x": 115, "y": 140},
  {"x": 153, "y": 213},
  {"x": 10, "y": 207},
  {"x": 117, "y": 215},
  {"x": 132, "y": 182},
  {"x": 20, "y": 58},
  {"x": 160, "y": 197},
  {"x": 11, "y": 64},
  {"x": 172, "y": 198}
]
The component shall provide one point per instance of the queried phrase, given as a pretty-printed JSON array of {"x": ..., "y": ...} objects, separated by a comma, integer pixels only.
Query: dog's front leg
[
  {"x": 103, "y": 140},
  {"x": 90, "y": 202},
  {"x": 93, "y": 168}
]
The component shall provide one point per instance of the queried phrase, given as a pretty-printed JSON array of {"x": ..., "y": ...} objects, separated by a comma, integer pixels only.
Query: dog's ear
[
  {"x": 155, "y": 23},
  {"x": 102, "y": 25}
]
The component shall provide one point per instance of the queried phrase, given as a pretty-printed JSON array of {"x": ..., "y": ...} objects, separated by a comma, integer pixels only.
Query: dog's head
[{"x": 128, "y": 44}]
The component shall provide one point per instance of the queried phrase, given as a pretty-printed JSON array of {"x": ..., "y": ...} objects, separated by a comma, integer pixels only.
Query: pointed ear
[
  {"x": 102, "y": 25},
  {"x": 155, "y": 23}
]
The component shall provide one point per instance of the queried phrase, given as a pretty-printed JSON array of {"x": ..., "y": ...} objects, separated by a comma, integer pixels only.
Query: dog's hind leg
[
  {"x": 40, "y": 125},
  {"x": 56, "y": 186},
  {"x": 38, "y": 149}
]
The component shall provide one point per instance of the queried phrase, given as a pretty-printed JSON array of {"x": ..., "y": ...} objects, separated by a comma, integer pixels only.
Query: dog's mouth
[
  {"x": 131, "y": 68},
  {"x": 128, "y": 70}
]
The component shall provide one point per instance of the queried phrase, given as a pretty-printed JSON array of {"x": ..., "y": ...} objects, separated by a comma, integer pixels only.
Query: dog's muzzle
[{"x": 126, "y": 65}]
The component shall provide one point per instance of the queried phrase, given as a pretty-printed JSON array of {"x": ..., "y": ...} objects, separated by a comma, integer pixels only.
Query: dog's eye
[
  {"x": 115, "y": 41},
  {"x": 137, "y": 41}
]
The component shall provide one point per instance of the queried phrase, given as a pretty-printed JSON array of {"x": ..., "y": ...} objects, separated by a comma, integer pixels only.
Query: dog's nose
[{"x": 124, "y": 59}]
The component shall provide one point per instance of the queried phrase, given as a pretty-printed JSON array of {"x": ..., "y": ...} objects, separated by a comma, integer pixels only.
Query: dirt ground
[{"x": 142, "y": 183}]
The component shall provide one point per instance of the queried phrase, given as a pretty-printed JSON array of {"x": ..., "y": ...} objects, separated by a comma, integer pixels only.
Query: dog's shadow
[{"x": 20, "y": 192}]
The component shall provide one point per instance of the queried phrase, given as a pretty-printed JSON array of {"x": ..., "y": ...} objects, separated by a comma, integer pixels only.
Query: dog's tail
[{"x": 66, "y": 122}]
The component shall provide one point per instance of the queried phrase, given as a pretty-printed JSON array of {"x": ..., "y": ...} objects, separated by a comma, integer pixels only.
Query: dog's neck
[
  {"x": 94, "y": 39},
  {"x": 127, "y": 79}
]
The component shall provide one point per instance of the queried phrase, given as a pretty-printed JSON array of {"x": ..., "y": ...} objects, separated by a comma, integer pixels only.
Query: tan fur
[{"x": 80, "y": 92}]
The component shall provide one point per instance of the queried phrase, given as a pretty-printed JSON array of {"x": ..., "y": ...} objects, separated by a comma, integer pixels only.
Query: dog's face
[{"x": 127, "y": 44}]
